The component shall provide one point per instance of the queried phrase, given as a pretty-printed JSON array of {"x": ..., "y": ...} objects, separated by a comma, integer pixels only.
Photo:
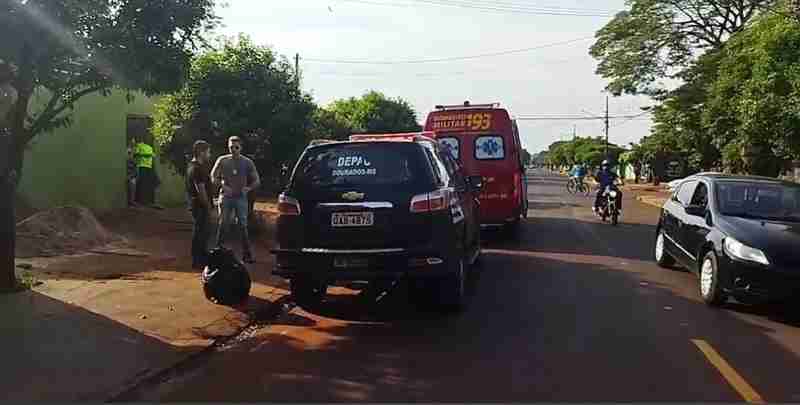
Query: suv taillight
[
  {"x": 429, "y": 202},
  {"x": 288, "y": 206}
]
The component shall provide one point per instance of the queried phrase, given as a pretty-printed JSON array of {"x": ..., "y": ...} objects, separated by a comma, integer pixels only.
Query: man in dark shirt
[
  {"x": 131, "y": 178},
  {"x": 198, "y": 183}
]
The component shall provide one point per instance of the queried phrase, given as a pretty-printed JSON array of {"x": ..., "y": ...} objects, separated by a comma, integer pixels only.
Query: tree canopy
[
  {"x": 374, "y": 112},
  {"x": 238, "y": 89},
  {"x": 656, "y": 39},
  {"x": 588, "y": 151}
]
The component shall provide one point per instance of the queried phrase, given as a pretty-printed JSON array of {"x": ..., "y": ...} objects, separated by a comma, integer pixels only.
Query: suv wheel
[
  {"x": 307, "y": 292},
  {"x": 453, "y": 288}
]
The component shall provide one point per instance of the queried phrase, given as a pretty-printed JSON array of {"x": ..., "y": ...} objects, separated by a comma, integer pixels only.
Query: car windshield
[
  {"x": 386, "y": 164},
  {"x": 759, "y": 200}
]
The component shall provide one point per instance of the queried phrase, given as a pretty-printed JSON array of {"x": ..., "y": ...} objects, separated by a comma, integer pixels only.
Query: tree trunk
[{"x": 8, "y": 278}]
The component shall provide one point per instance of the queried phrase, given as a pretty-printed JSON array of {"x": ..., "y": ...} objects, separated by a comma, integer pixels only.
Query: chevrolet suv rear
[{"x": 377, "y": 207}]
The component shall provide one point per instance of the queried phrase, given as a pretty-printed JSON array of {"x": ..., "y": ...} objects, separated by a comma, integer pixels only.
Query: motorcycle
[{"x": 609, "y": 205}]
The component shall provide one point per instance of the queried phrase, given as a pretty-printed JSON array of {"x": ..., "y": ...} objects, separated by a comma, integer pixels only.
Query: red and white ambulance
[{"x": 485, "y": 140}]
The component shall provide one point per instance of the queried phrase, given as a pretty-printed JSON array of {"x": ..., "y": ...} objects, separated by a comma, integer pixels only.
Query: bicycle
[{"x": 574, "y": 186}]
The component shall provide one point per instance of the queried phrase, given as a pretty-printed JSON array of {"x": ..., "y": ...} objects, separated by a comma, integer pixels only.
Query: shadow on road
[
  {"x": 537, "y": 329},
  {"x": 56, "y": 351},
  {"x": 577, "y": 236}
]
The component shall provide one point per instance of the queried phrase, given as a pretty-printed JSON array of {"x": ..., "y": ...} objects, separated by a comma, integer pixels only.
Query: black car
[
  {"x": 378, "y": 208},
  {"x": 740, "y": 234}
]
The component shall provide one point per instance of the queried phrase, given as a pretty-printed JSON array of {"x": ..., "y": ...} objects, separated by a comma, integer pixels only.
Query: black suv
[{"x": 378, "y": 207}]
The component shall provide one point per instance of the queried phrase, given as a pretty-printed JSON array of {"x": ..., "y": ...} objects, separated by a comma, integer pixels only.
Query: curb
[{"x": 278, "y": 308}]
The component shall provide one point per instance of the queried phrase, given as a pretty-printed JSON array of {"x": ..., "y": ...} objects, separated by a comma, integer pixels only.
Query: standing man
[
  {"x": 198, "y": 192},
  {"x": 238, "y": 176},
  {"x": 131, "y": 178}
]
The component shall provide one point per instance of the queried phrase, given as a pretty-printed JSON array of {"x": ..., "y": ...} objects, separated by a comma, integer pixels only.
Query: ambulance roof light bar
[
  {"x": 403, "y": 137},
  {"x": 466, "y": 106}
]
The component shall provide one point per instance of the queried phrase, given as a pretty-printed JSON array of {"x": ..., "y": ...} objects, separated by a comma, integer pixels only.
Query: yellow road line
[{"x": 734, "y": 379}]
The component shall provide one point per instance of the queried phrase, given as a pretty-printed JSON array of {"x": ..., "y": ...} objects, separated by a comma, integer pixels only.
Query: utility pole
[
  {"x": 606, "y": 126},
  {"x": 574, "y": 132},
  {"x": 297, "y": 69}
]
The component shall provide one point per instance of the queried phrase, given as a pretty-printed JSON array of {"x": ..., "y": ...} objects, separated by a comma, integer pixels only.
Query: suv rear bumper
[{"x": 366, "y": 264}]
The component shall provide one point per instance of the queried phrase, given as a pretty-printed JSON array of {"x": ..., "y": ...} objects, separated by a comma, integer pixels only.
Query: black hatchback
[
  {"x": 375, "y": 208},
  {"x": 740, "y": 234}
]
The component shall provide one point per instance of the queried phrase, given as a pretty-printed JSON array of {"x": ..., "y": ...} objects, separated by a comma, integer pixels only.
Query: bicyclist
[
  {"x": 606, "y": 177},
  {"x": 578, "y": 173}
]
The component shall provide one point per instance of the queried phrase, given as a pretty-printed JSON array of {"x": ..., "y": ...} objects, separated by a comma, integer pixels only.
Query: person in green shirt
[{"x": 146, "y": 180}]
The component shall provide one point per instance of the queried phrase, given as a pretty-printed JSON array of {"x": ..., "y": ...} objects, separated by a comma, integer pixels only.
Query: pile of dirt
[
  {"x": 22, "y": 208},
  {"x": 61, "y": 231}
]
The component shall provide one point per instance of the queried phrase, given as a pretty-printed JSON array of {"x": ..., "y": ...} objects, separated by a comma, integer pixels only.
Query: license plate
[
  {"x": 349, "y": 262},
  {"x": 352, "y": 219}
]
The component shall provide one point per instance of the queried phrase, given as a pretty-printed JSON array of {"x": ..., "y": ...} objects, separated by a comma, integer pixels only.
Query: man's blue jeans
[{"x": 231, "y": 209}]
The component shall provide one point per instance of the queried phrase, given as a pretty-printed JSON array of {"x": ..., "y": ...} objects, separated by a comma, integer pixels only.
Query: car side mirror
[
  {"x": 475, "y": 182},
  {"x": 696, "y": 210}
]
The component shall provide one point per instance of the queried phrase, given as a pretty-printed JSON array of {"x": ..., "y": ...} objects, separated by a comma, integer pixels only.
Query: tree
[
  {"x": 374, "y": 112},
  {"x": 327, "y": 125},
  {"x": 589, "y": 151},
  {"x": 754, "y": 105},
  {"x": 238, "y": 89},
  {"x": 73, "y": 48},
  {"x": 678, "y": 120},
  {"x": 655, "y": 39},
  {"x": 526, "y": 157}
]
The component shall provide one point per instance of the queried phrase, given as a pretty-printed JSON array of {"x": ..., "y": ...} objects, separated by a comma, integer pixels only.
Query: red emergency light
[{"x": 403, "y": 137}]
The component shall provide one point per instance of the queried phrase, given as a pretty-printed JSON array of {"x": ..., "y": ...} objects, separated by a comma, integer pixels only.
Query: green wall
[{"x": 84, "y": 164}]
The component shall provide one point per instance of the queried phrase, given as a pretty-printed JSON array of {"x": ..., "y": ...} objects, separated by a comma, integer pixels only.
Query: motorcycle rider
[{"x": 606, "y": 177}]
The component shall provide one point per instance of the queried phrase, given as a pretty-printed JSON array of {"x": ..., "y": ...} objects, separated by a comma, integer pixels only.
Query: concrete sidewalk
[
  {"x": 649, "y": 194},
  {"x": 101, "y": 323}
]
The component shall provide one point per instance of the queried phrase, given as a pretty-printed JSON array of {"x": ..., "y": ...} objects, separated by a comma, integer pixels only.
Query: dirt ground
[{"x": 154, "y": 240}]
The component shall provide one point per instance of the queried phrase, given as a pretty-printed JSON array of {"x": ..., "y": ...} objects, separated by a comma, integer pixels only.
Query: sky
[{"x": 552, "y": 80}]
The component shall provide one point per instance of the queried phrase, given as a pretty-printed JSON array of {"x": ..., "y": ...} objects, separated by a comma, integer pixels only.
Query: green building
[{"x": 85, "y": 164}]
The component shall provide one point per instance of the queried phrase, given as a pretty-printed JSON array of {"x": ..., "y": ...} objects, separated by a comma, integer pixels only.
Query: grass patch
[{"x": 26, "y": 281}]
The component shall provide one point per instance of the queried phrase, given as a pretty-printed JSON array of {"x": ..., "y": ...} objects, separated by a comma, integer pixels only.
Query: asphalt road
[{"x": 572, "y": 310}]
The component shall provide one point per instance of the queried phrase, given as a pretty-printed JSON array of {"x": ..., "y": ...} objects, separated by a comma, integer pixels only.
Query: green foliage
[
  {"x": 755, "y": 100},
  {"x": 375, "y": 113},
  {"x": 588, "y": 151},
  {"x": 238, "y": 89},
  {"x": 74, "y": 48},
  {"x": 325, "y": 124},
  {"x": 678, "y": 125},
  {"x": 526, "y": 157},
  {"x": 655, "y": 39}
]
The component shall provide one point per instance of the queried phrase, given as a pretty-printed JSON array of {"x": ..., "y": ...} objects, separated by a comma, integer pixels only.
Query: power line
[
  {"x": 495, "y": 7},
  {"x": 450, "y": 59},
  {"x": 577, "y": 118},
  {"x": 512, "y": 4}
]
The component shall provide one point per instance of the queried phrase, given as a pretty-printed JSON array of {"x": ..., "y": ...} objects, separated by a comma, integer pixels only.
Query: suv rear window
[
  {"x": 489, "y": 147},
  {"x": 367, "y": 164}
]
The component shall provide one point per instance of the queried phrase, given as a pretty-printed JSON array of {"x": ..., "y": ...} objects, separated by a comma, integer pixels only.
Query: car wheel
[
  {"x": 663, "y": 257},
  {"x": 710, "y": 282},
  {"x": 307, "y": 292},
  {"x": 453, "y": 288}
]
